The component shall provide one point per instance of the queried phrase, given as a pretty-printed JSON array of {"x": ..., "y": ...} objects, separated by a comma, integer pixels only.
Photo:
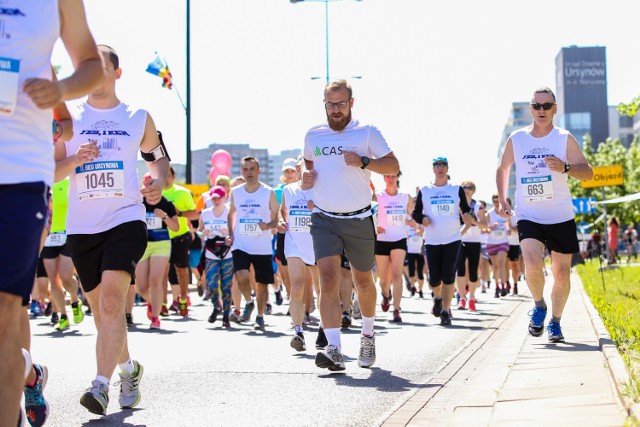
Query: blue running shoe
[
  {"x": 536, "y": 324},
  {"x": 36, "y": 308},
  {"x": 555, "y": 333},
  {"x": 246, "y": 313},
  {"x": 36, "y": 407}
]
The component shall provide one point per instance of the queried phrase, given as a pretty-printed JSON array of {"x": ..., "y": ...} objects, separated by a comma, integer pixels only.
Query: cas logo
[{"x": 327, "y": 151}]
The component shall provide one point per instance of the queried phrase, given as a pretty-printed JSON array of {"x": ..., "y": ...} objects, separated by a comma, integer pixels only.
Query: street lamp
[{"x": 326, "y": 27}]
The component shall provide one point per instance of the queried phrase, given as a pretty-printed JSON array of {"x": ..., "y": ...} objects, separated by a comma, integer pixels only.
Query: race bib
[
  {"x": 395, "y": 217},
  {"x": 443, "y": 208},
  {"x": 153, "y": 222},
  {"x": 300, "y": 220},
  {"x": 9, "y": 85},
  {"x": 536, "y": 189},
  {"x": 499, "y": 233},
  {"x": 97, "y": 180},
  {"x": 56, "y": 239},
  {"x": 216, "y": 226},
  {"x": 249, "y": 227}
]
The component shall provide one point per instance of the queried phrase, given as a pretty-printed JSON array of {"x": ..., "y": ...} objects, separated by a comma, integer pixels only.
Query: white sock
[
  {"x": 28, "y": 365},
  {"x": 297, "y": 328},
  {"x": 126, "y": 366},
  {"x": 367, "y": 325},
  {"x": 103, "y": 380},
  {"x": 333, "y": 336}
]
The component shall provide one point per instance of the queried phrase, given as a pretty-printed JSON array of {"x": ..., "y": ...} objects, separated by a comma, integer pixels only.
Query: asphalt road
[{"x": 198, "y": 374}]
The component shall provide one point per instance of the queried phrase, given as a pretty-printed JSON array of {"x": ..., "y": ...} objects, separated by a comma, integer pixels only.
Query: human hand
[
  {"x": 554, "y": 164},
  {"x": 381, "y": 230},
  {"x": 44, "y": 93},
  {"x": 352, "y": 159},
  {"x": 153, "y": 190},
  {"x": 426, "y": 221},
  {"x": 86, "y": 153},
  {"x": 308, "y": 179}
]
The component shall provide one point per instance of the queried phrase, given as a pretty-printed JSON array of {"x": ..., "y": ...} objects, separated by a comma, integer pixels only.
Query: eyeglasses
[
  {"x": 495, "y": 200},
  {"x": 546, "y": 106},
  {"x": 332, "y": 105},
  {"x": 440, "y": 165},
  {"x": 467, "y": 187}
]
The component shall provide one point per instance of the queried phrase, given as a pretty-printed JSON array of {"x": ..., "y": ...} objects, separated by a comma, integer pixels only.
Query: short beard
[{"x": 341, "y": 124}]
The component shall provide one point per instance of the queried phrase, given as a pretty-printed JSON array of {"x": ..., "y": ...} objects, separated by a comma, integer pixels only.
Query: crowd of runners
[{"x": 323, "y": 239}]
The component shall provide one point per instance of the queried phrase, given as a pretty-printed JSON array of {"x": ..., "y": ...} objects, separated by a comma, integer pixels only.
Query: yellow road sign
[{"x": 605, "y": 176}]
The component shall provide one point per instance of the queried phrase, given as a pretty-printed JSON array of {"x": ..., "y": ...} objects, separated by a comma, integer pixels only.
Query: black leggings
[
  {"x": 469, "y": 251},
  {"x": 416, "y": 262},
  {"x": 442, "y": 261}
]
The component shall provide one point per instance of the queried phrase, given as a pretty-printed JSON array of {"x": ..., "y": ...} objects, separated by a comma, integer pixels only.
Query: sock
[
  {"x": 440, "y": 298},
  {"x": 126, "y": 366},
  {"x": 555, "y": 319},
  {"x": 28, "y": 365},
  {"x": 63, "y": 317},
  {"x": 250, "y": 300},
  {"x": 103, "y": 380},
  {"x": 297, "y": 328},
  {"x": 367, "y": 325},
  {"x": 541, "y": 304},
  {"x": 333, "y": 336},
  {"x": 74, "y": 304}
]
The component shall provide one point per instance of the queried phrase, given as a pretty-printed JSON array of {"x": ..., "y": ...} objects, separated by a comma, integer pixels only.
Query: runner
[
  {"x": 497, "y": 248},
  {"x": 252, "y": 215},
  {"x": 394, "y": 214},
  {"x": 438, "y": 208},
  {"x": 544, "y": 157},
  {"x": 515, "y": 254},
  {"x": 340, "y": 156},
  {"x": 415, "y": 258},
  {"x": 105, "y": 221}
]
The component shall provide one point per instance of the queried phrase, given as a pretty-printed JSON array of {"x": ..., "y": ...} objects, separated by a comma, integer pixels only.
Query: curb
[{"x": 615, "y": 363}]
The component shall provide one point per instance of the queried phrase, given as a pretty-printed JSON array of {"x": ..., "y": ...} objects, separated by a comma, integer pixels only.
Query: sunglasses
[
  {"x": 546, "y": 106},
  {"x": 467, "y": 187},
  {"x": 440, "y": 165}
]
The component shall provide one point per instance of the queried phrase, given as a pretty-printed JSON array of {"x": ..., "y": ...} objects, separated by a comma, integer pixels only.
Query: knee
[{"x": 111, "y": 305}]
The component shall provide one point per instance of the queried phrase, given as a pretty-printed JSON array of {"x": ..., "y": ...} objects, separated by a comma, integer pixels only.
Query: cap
[
  {"x": 289, "y": 163},
  {"x": 217, "y": 192},
  {"x": 441, "y": 160}
]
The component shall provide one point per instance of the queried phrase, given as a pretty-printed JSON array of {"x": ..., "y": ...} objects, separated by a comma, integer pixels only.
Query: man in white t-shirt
[{"x": 340, "y": 156}]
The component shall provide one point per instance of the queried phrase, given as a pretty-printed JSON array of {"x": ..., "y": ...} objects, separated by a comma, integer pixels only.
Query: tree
[{"x": 630, "y": 109}]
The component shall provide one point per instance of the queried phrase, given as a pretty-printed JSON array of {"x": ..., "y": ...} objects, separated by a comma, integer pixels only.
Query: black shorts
[
  {"x": 415, "y": 262},
  {"x": 344, "y": 262},
  {"x": 561, "y": 237},
  {"x": 280, "y": 249},
  {"x": 22, "y": 219},
  {"x": 469, "y": 251},
  {"x": 41, "y": 272},
  {"x": 262, "y": 265},
  {"x": 385, "y": 248},
  {"x": 442, "y": 261},
  {"x": 53, "y": 252},
  {"x": 180, "y": 250},
  {"x": 514, "y": 252},
  {"x": 117, "y": 249}
]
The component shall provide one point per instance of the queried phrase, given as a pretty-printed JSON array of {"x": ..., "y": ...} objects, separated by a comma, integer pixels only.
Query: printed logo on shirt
[
  {"x": 249, "y": 207},
  {"x": 11, "y": 12},
  {"x": 107, "y": 132},
  {"x": 535, "y": 160},
  {"x": 327, "y": 151}
]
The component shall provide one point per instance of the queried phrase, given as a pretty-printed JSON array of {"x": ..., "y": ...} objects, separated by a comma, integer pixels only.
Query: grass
[{"x": 618, "y": 304}]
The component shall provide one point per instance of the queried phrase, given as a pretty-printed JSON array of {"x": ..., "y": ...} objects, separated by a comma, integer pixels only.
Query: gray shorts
[{"x": 356, "y": 237}]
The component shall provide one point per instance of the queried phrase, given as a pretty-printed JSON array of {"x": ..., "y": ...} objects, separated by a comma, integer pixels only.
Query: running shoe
[
  {"x": 367, "y": 356},
  {"x": 62, "y": 325},
  {"x": 55, "y": 318},
  {"x": 175, "y": 306},
  {"x": 36, "y": 309},
  {"x": 508, "y": 287},
  {"x": 149, "y": 311},
  {"x": 330, "y": 358},
  {"x": 200, "y": 290},
  {"x": 357, "y": 314},
  {"x": 235, "y": 316},
  {"x": 246, "y": 313},
  {"x": 472, "y": 305},
  {"x": 420, "y": 294},
  {"x": 279, "y": 299},
  {"x": 484, "y": 289},
  {"x": 445, "y": 319},
  {"x": 497, "y": 292},
  {"x": 214, "y": 315},
  {"x": 462, "y": 304},
  {"x": 321, "y": 341},
  {"x": 35, "y": 405},
  {"x": 413, "y": 291},
  {"x": 182, "y": 309},
  {"x": 259, "y": 325},
  {"x": 96, "y": 398},
  {"x": 297, "y": 342},
  {"x": 555, "y": 333},
  {"x": 225, "y": 321},
  {"x": 515, "y": 289},
  {"x": 396, "y": 317},
  {"x": 164, "y": 311},
  {"x": 130, "y": 386},
  {"x": 268, "y": 309},
  {"x": 536, "y": 323},
  {"x": 437, "y": 307},
  {"x": 48, "y": 309},
  {"x": 155, "y": 323},
  {"x": 346, "y": 320},
  {"x": 78, "y": 314},
  {"x": 503, "y": 290},
  {"x": 385, "y": 305},
  {"x": 129, "y": 318}
]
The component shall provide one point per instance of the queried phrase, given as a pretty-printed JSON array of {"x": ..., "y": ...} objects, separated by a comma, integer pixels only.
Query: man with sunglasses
[
  {"x": 544, "y": 157},
  {"x": 340, "y": 156}
]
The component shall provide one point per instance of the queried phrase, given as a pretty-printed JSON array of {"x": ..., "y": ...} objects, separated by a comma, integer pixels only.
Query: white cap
[{"x": 289, "y": 163}]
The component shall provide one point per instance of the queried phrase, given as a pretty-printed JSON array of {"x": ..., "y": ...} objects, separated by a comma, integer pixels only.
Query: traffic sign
[
  {"x": 583, "y": 205},
  {"x": 604, "y": 176}
]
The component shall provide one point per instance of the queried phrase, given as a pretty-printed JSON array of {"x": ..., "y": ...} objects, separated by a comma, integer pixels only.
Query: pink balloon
[
  {"x": 221, "y": 160},
  {"x": 212, "y": 176}
]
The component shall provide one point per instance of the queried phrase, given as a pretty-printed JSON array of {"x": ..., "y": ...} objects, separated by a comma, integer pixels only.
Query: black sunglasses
[{"x": 546, "y": 106}]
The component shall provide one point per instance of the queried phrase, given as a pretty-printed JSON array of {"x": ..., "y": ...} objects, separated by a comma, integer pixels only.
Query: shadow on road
[
  {"x": 379, "y": 379},
  {"x": 115, "y": 419},
  {"x": 568, "y": 346}
]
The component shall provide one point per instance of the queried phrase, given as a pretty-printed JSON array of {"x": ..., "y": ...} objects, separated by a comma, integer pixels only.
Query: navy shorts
[{"x": 22, "y": 218}]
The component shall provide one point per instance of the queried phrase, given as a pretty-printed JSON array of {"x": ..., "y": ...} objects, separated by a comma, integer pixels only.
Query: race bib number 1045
[{"x": 98, "y": 180}]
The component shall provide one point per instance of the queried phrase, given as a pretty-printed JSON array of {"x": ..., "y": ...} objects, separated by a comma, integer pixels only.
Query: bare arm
[
  {"x": 580, "y": 167},
  {"x": 158, "y": 169},
  {"x": 231, "y": 218},
  {"x": 387, "y": 165},
  {"x": 274, "y": 207},
  {"x": 502, "y": 178}
]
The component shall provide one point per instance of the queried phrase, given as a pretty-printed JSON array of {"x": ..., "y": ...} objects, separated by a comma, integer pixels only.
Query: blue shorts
[
  {"x": 23, "y": 217},
  {"x": 194, "y": 257}
]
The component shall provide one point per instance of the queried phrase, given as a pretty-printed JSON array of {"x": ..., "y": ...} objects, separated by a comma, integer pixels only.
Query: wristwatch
[
  {"x": 365, "y": 162},
  {"x": 567, "y": 167}
]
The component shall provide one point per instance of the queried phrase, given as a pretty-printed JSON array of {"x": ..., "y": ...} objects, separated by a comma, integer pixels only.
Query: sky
[{"x": 436, "y": 77}]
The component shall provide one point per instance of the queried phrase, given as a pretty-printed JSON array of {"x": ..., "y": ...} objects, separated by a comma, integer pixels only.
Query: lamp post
[
  {"x": 188, "y": 107},
  {"x": 326, "y": 28}
]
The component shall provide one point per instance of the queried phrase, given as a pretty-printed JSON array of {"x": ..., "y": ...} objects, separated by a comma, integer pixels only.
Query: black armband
[{"x": 157, "y": 153}]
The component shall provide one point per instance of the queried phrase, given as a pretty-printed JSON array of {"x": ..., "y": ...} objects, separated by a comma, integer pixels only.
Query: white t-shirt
[
  {"x": 473, "y": 233},
  {"x": 252, "y": 209},
  {"x": 499, "y": 235},
  {"x": 216, "y": 226},
  {"x": 414, "y": 241},
  {"x": 28, "y": 32},
  {"x": 542, "y": 196},
  {"x": 338, "y": 187},
  {"x": 392, "y": 213},
  {"x": 442, "y": 206},
  {"x": 106, "y": 193},
  {"x": 297, "y": 240}
]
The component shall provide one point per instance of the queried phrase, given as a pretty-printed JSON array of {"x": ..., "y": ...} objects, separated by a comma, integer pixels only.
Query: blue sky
[{"x": 438, "y": 77}]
